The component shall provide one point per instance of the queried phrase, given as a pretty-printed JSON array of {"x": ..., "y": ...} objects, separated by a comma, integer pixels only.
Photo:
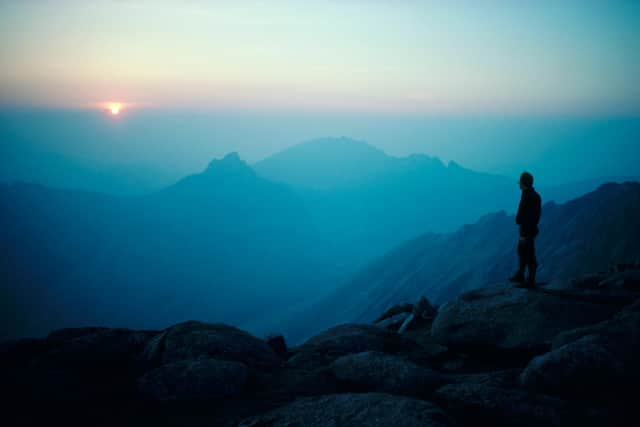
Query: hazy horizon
[
  {"x": 141, "y": 150},
  {"x": 108, "y": 95}
]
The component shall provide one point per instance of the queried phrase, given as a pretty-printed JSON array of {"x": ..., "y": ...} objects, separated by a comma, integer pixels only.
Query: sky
[
  {"x": 460, "y": 57},
  {"x": 497, "y": 86}
]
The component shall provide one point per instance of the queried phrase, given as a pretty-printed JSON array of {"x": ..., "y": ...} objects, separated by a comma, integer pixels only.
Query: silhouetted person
[{"x": 527, "y": 218}]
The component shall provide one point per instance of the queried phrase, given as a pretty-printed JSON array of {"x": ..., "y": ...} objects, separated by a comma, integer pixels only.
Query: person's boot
[{"x": 518, "y": 277}]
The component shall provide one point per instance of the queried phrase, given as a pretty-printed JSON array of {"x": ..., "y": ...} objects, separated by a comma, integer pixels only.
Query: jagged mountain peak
[{"x": 231, "y": 161}]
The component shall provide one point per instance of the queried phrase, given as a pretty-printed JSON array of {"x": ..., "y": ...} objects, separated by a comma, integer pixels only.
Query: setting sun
[{"x": 114, "y": 107}]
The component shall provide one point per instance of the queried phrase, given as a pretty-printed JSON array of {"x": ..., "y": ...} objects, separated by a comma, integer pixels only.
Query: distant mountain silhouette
[
  {"x": 366, "y": 202},
  {"x": 222, "y": 244},
  {"x": 230, "y": 243},
  {"x": 327, "y": 164},
  {"x": 581, "y": 236}
]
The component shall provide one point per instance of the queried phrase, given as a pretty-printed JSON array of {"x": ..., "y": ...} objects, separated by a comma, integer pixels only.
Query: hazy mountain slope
[
  {"x": 326, "y": 164},
  {"x": 566, "y": 192},
  {"x": 366, "y": 202},
  {"x": 581, "y": 236},
  {"x": 222, "y": 245}
]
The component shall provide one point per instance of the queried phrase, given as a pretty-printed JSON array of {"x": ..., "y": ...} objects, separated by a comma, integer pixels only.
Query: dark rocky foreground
[{"x": 498, "y": 356}]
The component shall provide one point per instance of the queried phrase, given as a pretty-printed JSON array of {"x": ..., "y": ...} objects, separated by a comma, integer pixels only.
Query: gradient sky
[{"x": 569, "y": 57}]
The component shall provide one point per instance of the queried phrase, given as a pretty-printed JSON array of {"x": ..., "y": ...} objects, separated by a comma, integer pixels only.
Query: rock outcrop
[
  {"x": 324, "y": 348},
  {"x": 194, "y": 380},
  {"x": 197, "y": 340},
  {"x": 517, "y": 320},
  {"x": 385, "y": 373},
  {"x": 356, "y": 410},
  {"x": 599, "y": 360},
  {"x": 499, "y": 356}
]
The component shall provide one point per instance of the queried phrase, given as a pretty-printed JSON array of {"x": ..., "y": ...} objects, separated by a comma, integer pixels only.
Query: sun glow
[{"x": 114, "y": 107}]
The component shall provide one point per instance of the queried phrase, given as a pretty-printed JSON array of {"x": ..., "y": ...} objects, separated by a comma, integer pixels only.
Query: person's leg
[
  {"x": 519, "y": 276},
  {"x": 532, "y": 262},
  {"x": 523, "y": 253}
]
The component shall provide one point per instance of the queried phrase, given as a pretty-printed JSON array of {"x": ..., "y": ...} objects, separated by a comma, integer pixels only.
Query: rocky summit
[{"x": 498, "y": 356}]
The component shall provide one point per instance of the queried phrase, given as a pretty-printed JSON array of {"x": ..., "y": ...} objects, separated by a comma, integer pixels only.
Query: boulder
[
  {"x": 394, "y": 322},
  {"x": 395, "y": 310},
  {"x": 421, "y": 316},
  {"x": 323, "y": 349},
  {"x": 423, "y": 309},
  {"x": 196, "y": 340},
  {"x": 597, "y": 361},
  {"x": 617, "y": 321},
  {"x": 588, "y": 281},
  {"x": 354, "y": 410},
  {"x": 626, "y": 279},
  {"x": 374, "y": 371},
  {"x": 581, "y": 366},
  {"x": 277, "y": 344},
  {"x": 482, "y": 404},
  {"x": 517, "y": 320},
  {"x": 504, "y": 378},
  {"x": 194, "y": 380}
]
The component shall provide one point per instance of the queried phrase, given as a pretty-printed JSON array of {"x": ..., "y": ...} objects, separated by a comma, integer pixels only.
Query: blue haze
[
  {"x": 172, "y": 235},
  {"x": 145, "y": 150}
]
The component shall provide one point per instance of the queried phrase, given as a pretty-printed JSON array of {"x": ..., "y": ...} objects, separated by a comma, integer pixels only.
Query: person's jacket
[{"x": 529, "y": 212}]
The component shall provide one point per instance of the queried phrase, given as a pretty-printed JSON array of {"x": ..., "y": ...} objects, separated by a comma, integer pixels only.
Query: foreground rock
[
  {"x": 194, "y": 380},
  {"x": 197, "y": 340},
  {"x": 380, "y": 372},
  {"x": 86, "y": 347},
  {"x": 404, "y": 317},
  {"x": 476, "y": 361},
  {"x": 518, "y": 320},
  {"x": 75, "y": 364},
  {"x": 597, "y": 361},
  {"x": 324, "y": 348},
  {"x": 355, "y": 410},
  {"x": 482, "y": 404}
]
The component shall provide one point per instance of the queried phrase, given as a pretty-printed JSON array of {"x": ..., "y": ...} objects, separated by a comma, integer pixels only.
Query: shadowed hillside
[
  {"x": 230, "y": 244},
  {"x": 218, "y": 245},
  {"x": 366, "y": 202},
  {"x": 585, "y": 234}
]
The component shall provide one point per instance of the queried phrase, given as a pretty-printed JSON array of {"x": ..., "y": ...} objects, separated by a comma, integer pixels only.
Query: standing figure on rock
[{"x": 527, "y": 218}]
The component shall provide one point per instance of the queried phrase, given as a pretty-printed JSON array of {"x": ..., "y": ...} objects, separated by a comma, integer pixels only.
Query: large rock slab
[
  {"x": 608, "y": 326},
  {"x": 194, "y": 380},
  {"x": 596, "y": 361},
  {"x": 196, "y": 340},
  {"x": 374, "y": 371},
  {"x": 482, "y": 404},
  {"x": 507, "y": 318},
  {"x": 323, "y": 349},
  {"x": 354, "y": 410}
]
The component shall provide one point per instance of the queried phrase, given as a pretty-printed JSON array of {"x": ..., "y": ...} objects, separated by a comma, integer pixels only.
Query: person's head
[{"x": 526, "y": 180}]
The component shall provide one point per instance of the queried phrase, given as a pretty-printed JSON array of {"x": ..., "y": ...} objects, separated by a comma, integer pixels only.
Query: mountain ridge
[
  {"x": 226, "y": 232},
  {"x": 575, "y": 236}
]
